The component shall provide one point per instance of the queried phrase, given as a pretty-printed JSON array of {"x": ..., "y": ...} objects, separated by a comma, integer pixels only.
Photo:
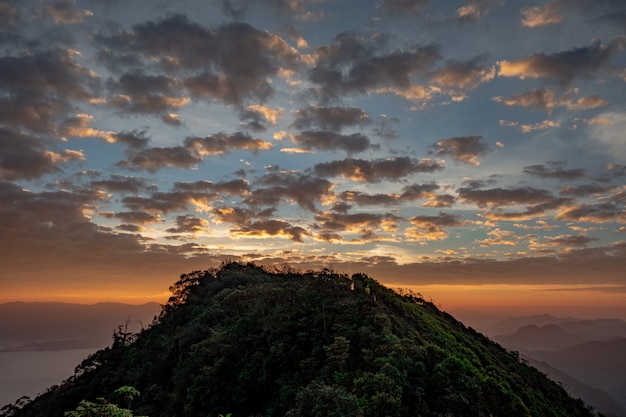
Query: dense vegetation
[{"x": 252, "y": 342}]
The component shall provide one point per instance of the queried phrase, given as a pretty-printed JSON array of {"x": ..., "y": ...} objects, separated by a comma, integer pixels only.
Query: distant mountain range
[
  {"x": 51, "y": 326},
  {"x": 587, "y": 356}
]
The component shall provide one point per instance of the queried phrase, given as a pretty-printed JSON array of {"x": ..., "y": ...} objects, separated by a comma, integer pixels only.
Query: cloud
[
  {"x": 586, "y": 189},
  {"x": 331, "y": 141},
  {"x": 121, "y": 184},
  {"x": 166, "y": 202},
  {"x": 409, "y": 193},
  {"x": 230, "y": 63},
  {"x": 556, "y": 169},
  {"x": 329, "y": 118},
  {"x": 549, "y": 14},
  {"x": 431, "y": 227},
  {"x": 404, "y": 7},
  {"x": 238, "y": 9},
  {"x": 24, "y": 156},
  {"x": 271, "y": 228},
  {"x": 466, "y": 149},
  {"x": 464, "y": 75},
  {"x": 333, "y": 224},
  {"x": 236, "y": 187},
  {"x": 134, "y": 217},
  {"x": 192, "y": 152},
  {"x": 528, "y": 128},
  {"x": 171, "y": 119},
  {"x": 355, "y": 64},
  {"x": 189, "y": 224},
  {"x": 601, "y": 212},
  {"x": 222, "y": 143},
  {"x": 564, "y": 67},
  {"x": 537, "y": 202},
  {"x": 9, "y": 15},
  {"x": 256, "y": 116},
  {"x": 153, "y": 159},
  {"x": 42, "y": 86},
  {"x": 474, "y": 10},
  {"x": 376, "y": 170},
  {"x": 306, "y": 191},
  {"x": 546, "y": 99},
  {"x": 136, "y": 92},
  {"x": 610, "y": 136},
  {"x": 64, "y": 11}
]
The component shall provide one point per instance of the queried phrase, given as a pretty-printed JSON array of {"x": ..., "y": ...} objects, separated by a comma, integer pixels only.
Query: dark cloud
[
  {"x": 593, "y": 213},
  {"x": 188, "y": 223},
  {"x": 134, "y": 217},
  {"x": 233, "y": 187},
  {"x": 53, "y": 228},
  {"x": 586, "y": 189},
  {"x": 354, "y": 64},
  {"x": 418, "y": 191},
  {"x": 9, "y": 15},
  {"x": 240, "y": 215},
  {"x": 343, "y": 222},
  {"x": 231, "y": 63},
  {"x": 193, "y": 151},
  {"x": 63, "y": 11},
  {"x": 466, "y": 149},
  {"x": 409, "y": 193},
  {"x": 136, "y": 92},
  {"x": 238, "y": 9},
  {"x": 364, "y": 199},
  {"x": 171, "y": 119},
  {"x": 329, "y": 118},
  {"x": 24, "y": 156},
  {"x": 404, "y": 7},
  {"x": 376, "y": 170},
  {"x": 569, "y": 241},
  {"x": 153, "y": 159},
  {"x": 617, "y": 18},
  {"x": 537, "y": 202},
  {"x": 223, "y": 143},
  {"x": 134, "y": 139},
  {"x": 267, "y": 228},
  {"x": 475, "y": 10},
  {"x": 331, "y": 141},
  {"x": 37, "y": 88},
  {"x": 431, "y": 227},
  {"x": 463, "y": 75},
  {"x": 306, "y": 191},
  {"x": 563, "y": 67},
  {"x": 121, "y": 184},
  {"x": 166, "y": 202},
  {"x": 547, "y": 99},
  {"x": 556, "y": 170}
]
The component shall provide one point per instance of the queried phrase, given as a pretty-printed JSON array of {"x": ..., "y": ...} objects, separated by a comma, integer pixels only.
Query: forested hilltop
[{"x": 248, "y": 341}]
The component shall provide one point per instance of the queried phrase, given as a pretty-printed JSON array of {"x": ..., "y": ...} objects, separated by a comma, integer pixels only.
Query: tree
[{"x": 103, "y": 408}]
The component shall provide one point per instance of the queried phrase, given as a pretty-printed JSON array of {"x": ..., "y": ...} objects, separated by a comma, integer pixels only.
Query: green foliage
[
  {"x": 103, "y": 408},
  {"x": 248, "y": 341}
]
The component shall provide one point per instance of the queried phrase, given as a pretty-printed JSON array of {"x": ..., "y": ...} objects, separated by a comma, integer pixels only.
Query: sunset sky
[{"x": 474, "y": 151}]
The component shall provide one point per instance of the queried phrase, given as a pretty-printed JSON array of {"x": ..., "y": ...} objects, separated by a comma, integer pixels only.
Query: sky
[{"x": 473, "y": 151}]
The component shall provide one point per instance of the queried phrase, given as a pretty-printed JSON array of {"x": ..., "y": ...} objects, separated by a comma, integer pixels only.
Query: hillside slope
[{"x": 250, "y": 342}]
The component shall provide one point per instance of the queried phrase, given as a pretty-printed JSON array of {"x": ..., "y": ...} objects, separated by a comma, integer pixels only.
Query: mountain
[
  {"x": 548, "y": 337},
  {"x": 41, "y": 343},
  {"x": 252, "y": 342},
  {"x": 600, "y": 400},
  {"x": 589, "y": 329},
  {"x": 600, "y": 364},
  {"x": 55, "y": 326}
]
